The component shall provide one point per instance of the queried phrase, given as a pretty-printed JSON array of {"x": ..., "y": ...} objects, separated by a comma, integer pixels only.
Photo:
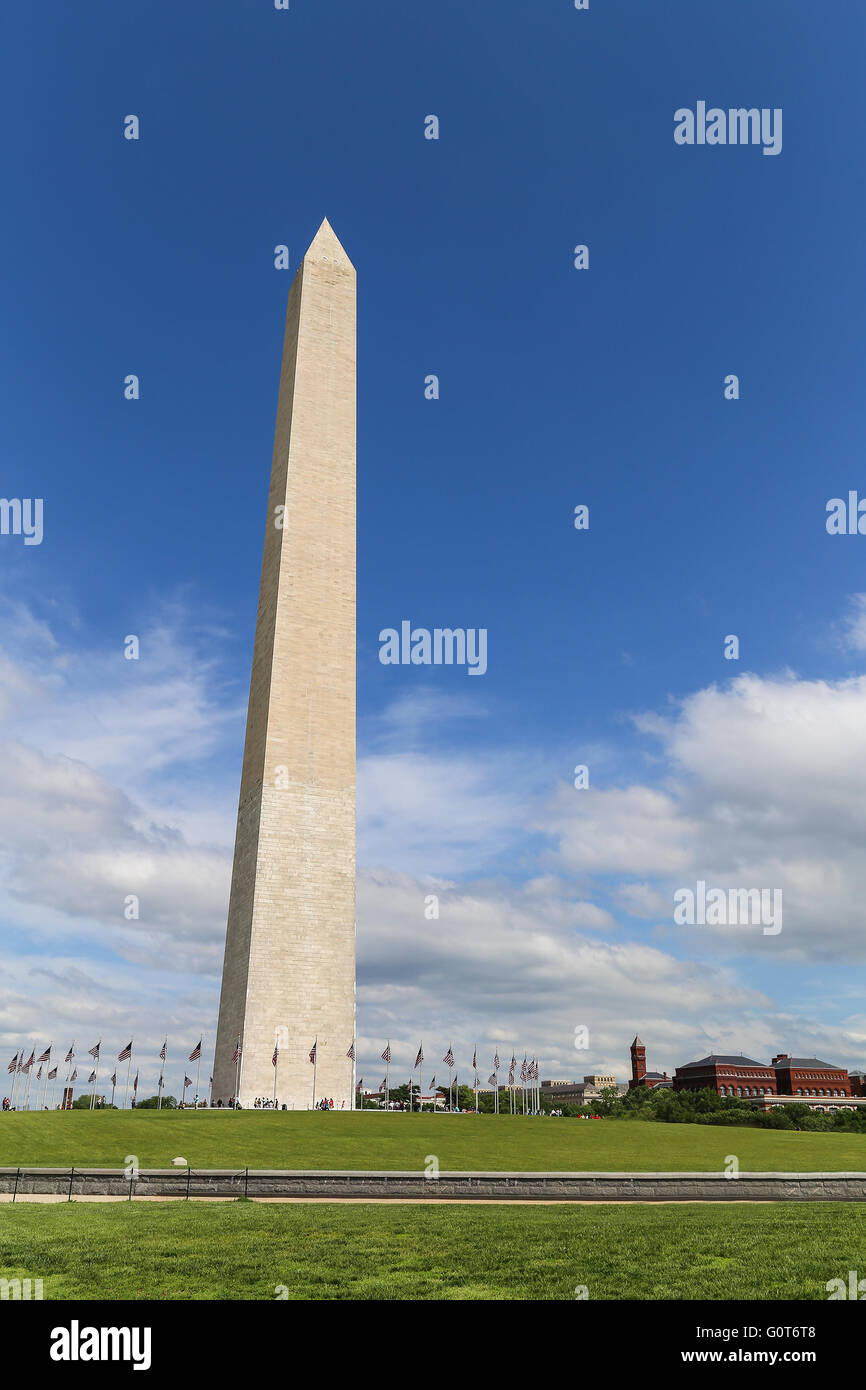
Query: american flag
[
  {"x": 91, "y": 1078},
  {"x": 523, "y": 1072},
  {"x": 351, "y": 1053},
  {"x": 70, "y": 1054},
  {"x": 496, "y": 1061},
  {"x": 386, "y": 1055},
  {"x": 274, "y": 1058},
  {"x": 384, "y": 1083},
  {"x": 187, "y": 1081},
  {"x": 196, "y": 1052},
  {"x": 313, "y": 1052},
  {"x": 114, "y": 1078},
  {"x": 533, "y": 1070},
  {"x": 46, "y": 1056},
  {"x": 135, "y": 1084},
  {"x": 433, "y": 1084},
  {"x": 491, "y": 1080},
  {"x": 52, "y": 1074},
  {"x": 475, "y": 1058},
  {"x": 359, "y": 1083},
  {"x": 13, "y": 1065},
  {"x": 236, "y": 1055},
  {"x": 511, "y": 1075},
  {"x": 74, "y": 1076},
  {"x": 39, "y": 1074},
  {"x": 456, "y": 1074},
  {"x": 448, "y": 1059},
  {"x": 94, "y": 1051},
  {"x": 162, "y": 1050},
  {"x": 476, "y": 1082},
  {"x": 126, "y": 1053},
  {"x": 420, "y": 1058},
  {"x": 28, "y": 1065}
]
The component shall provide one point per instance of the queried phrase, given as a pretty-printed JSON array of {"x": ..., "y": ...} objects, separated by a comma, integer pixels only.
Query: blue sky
[{"x": 558, "y": 387}]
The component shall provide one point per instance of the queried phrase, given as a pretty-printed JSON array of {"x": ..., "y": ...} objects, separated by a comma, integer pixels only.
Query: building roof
[
  {"x": 805, "y": 1064},
  {"x": 654, "y": 1076},
  {"x": 715, "y": 1059}
]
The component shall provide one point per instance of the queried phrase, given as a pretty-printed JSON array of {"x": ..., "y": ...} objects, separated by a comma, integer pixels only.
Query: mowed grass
[
  {"x": 244, "y": 1250},
  {"x": 497, "y": 1143}
]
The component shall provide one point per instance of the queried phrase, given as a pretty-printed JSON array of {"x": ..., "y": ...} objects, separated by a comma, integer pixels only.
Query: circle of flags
[{"x": 25, "y": 1096}]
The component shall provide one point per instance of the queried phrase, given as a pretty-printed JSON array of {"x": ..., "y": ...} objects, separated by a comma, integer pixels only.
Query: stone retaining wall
[{"x": 576, "y": 1187}]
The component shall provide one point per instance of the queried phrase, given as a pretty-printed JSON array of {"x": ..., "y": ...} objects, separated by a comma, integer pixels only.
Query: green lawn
[
  {"x": 243, "y": 1250},
  {"x": 276, "y": 1139}
]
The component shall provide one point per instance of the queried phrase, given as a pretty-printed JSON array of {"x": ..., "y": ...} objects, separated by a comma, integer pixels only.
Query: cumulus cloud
[{"x": 762, "y": 787}]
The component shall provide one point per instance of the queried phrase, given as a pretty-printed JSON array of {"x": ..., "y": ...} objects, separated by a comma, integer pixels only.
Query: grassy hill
[{"x": 276, "y": 1139}]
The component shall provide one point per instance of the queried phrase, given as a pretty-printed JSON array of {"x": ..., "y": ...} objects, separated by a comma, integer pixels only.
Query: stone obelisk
[{"x": 289, "y": 970}]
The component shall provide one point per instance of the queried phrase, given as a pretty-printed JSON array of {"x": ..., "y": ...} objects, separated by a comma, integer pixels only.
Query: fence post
[
  {"x": 246, "y": 1179},
  {"x": 71, "y": 1176},
  {"x": 15, "y": 1190},
  {"x": 188, "y": 1176}
]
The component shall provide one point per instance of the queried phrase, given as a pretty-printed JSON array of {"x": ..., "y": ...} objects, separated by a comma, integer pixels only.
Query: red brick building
[
  {"x": 807, "y": 1076},
  {"x": 727, "y": 1076},
  {"x": 743, "y": 1077},
  {"x": 639, "y": 1074}
]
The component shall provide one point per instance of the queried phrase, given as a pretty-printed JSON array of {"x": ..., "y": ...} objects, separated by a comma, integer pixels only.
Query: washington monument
[{"x": 289, "y": 971}]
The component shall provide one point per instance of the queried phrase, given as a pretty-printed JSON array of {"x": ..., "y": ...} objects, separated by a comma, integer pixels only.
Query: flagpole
[
  {"x": 95, "y": 1074},
  {"x": 387, "y": 1073},
  {"x": 47, "y": 1070},
  {"x": 238, "y": 1074},
  {"x": 54, "y": 1088},
  {"x": 315, "y": 1067},
  {"x": 15, "y": 1073},
  {"x": 22, "y": 1085},
  {"x": 161, "y": 1085},
  {"x": 198, "y": 1077},
  {"x": 69, "y": 1069},
  {"x": 113, "y": 1085},
  {"x": 128, "y": 1066},
  {"x": 276, "y": 1070},
  {"x": 29, "y": 1078}
]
